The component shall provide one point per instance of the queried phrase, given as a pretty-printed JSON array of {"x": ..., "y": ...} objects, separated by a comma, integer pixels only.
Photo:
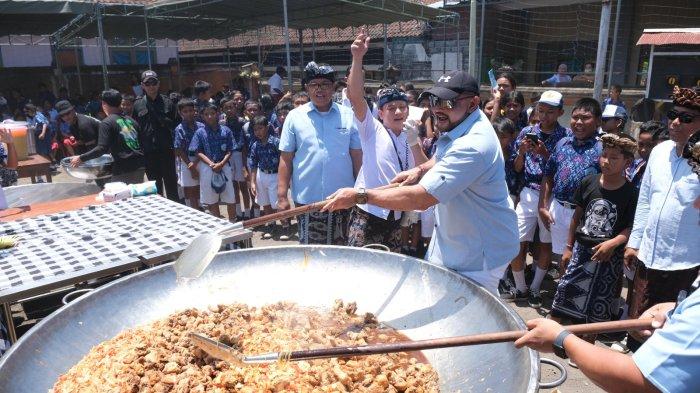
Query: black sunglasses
[
  {"x": 684, "y": 117},
  {"x": 437, "y": 102},
  {"x": 150, "y": 83}
]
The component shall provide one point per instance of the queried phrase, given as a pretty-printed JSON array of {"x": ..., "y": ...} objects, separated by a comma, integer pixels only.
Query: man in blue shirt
[
  {"x": 665, "y": 238},
  {"x": 476, "y": 231},
  {"x": 320, "y": 153},
  {"x": 669, "y": 361}
]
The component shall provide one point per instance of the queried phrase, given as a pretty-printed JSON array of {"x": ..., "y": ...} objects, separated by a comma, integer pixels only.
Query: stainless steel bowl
[
  {"x": 97, "y": 168},
  {"x": 421, "y": 300}
]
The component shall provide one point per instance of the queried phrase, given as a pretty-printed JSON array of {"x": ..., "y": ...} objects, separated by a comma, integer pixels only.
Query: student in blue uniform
[{"x": 264, "y": 162}]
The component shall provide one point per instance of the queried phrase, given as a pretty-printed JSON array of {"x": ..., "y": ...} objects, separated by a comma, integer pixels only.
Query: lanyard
[{"x": 396, "y": 150}]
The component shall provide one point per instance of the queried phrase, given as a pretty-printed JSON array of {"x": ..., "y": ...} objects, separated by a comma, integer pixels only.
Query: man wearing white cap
[
  {"x": 614, "y": 119},
  {"x": 532, "y": 149}
]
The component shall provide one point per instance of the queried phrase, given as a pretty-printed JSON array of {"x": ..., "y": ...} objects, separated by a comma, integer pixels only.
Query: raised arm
[{"x": 356, "y": 79}]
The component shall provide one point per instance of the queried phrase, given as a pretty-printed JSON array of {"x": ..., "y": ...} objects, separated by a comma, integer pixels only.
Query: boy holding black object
[{"x": 533, "y": 148}]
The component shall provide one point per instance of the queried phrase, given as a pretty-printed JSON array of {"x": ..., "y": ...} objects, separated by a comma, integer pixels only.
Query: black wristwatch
[
  {"x": 361, "y": 197},
  {"x": 558, "y": 344}
]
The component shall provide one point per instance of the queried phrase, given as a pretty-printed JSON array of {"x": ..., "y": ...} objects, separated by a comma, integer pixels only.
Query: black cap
[
  {"x": 63, "y": 107},
  {"x": 148, "y": 75},
  {"x": 313, "y": 71},
  {"x": 452, "y": 84}
]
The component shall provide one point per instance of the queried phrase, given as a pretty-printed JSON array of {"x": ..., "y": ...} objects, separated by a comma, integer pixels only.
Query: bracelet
[{"x": 569, "y": 246}]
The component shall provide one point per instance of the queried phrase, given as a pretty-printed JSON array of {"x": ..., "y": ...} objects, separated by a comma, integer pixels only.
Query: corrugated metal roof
[
  {"x": 206, "y": 19},
  {"x": 670, "y": 37}
]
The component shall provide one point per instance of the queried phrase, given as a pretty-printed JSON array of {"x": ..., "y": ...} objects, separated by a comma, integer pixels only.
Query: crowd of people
[{"x": 485, "y": 182}]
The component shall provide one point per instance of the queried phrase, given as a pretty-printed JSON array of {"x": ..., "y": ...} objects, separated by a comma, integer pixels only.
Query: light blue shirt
[
  {"x": 476, "y": 227},
  {"x": 670, "y": 359},
  {"x": 666, "y": 229},
  {"x": 321, "y": 144}
]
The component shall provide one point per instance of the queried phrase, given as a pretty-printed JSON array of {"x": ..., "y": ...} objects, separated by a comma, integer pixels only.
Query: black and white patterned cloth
[{"x": 127, "y": 231}]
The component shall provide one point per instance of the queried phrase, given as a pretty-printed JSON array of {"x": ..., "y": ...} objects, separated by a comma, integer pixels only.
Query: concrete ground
[{"x": 576, "y": 381}]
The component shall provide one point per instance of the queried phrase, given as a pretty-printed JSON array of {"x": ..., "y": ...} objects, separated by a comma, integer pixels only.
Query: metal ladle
[{"x": 199, "y": 254}]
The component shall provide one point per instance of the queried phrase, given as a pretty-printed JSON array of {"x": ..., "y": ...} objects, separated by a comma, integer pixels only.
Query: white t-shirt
[
  {"x": 384, "y": 155},
  {"x": 275, "y": 83},
  {"x": 346, "y": 102}
]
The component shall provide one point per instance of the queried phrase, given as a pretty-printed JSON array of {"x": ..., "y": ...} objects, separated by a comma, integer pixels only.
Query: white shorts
[
  {"x": 236, "y": 166},
  {"x": 427, "y": 222},
  {"x": 184, "y": 176},
  {"x": 207, "y": 195},
  {"x": 529, "y": 217},
  {"x": 487, "y": 278},
  {"x": 560, "y": 229},
  {"x": 266, "y": 186}
]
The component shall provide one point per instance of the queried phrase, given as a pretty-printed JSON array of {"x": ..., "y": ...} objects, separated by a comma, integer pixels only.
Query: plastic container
[{"x": 18, "y": 129}]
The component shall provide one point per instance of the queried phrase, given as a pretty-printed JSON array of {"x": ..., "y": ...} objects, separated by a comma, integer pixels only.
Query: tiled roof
[
  {"x": 670, "y": 38},
  {"x": 273, "y": 36}
]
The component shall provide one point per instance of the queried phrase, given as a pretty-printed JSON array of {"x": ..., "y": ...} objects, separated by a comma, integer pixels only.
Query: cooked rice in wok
[{"x": 160, "y": 357}]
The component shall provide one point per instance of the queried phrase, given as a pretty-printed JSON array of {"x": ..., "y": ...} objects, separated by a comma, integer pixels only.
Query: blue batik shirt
[
  {"x": 570, "y": 162},
  {"x": 184, "y": 134},
  {"x": 240, "y": 139},
  {"x": 213, "y": 143},
  {"x": 534, "y": 163},
  {"x": 514, "y": 180},
  {"x": 610, "y": 101},
  {"x": 635, "y": 172},
  {"x": 266, "y": 156}
]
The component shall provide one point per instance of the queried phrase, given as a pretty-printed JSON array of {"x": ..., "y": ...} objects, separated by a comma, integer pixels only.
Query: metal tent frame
[{"x": 202, "y": 18}]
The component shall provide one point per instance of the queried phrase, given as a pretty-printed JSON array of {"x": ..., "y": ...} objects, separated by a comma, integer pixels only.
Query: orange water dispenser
[{"x": 19, "y": 134}]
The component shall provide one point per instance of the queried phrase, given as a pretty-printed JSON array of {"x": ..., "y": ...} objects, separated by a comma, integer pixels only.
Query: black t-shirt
[
  {"x": 606, "y": 212},
  {"x": 85, "y": 130},
  {"x": 119, "y": 135}
]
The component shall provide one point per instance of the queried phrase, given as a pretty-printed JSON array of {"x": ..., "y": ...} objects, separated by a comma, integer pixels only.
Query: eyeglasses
[
  {"x": 684, "y": 117},
  {"x": 437, "y": 102},
  {"x": 150, "y": 83},
  {"x": 322, "y": 86}
]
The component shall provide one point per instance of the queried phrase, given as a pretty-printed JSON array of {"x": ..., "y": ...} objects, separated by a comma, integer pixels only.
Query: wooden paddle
[{"x": 459, "y": 341}]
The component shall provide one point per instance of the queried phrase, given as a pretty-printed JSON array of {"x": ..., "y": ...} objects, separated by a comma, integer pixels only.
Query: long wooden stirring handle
[
  {"x": 486, "y": 338},
  {"x": 314, "y": 207}
]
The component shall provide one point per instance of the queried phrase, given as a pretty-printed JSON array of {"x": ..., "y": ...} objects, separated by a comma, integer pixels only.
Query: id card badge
[{"x": 492, "y": 79}]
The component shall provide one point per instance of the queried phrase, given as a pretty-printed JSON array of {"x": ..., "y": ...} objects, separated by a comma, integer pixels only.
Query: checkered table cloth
[{"x": 106, "y": 235}]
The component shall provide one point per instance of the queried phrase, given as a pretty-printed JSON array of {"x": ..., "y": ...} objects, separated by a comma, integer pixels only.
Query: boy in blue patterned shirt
[
  {"x": 264, "y": 161},
  {"x": 213, "y": 144},
  {"x": 573, "y": 158},
  {"x": 239, "y": 170},
  {"x": 186, "y": 164},
  {"x": 533, "y": 147}
]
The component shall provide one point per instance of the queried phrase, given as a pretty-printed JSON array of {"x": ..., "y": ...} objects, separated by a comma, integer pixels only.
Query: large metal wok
[{"x": 421, "y": 300}]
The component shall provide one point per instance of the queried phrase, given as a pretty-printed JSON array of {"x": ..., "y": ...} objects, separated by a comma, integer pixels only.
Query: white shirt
[
  {"x": 666, "y": 229},
  {"x": 346, "y": 102},
  {"x": 3, "y": 201},
  {"x": 275, "y": 83},
  {"x": 381, "y": 162}
]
